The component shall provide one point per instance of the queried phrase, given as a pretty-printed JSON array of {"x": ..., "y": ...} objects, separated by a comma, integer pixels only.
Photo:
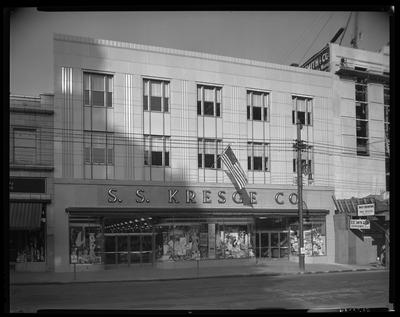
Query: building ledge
[
  {"x": 345, "y": 71},
  {"x": 31, "y": 110},
  {"x": 25, "y": 167},
  {"x": 30, "y": 197}
]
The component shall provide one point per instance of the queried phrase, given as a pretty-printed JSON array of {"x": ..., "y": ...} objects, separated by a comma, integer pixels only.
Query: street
[{"x": 308, "y": 291}]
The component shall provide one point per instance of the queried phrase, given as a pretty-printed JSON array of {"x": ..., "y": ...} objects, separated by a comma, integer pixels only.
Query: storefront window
[
  {"x": 233, "y": 241},
  {"x": 314, "y": 233},
  {"x": 178, "y": 242},
  {"x": 86, "y": 243},
  {"x": 27, "y": 246}
]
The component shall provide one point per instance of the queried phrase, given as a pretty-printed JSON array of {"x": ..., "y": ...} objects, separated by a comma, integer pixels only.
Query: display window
[
  {"x": 233, "y": 241},
  {"x": 27, "y": 246},
  {"x": 86, "y": 243},
  {"x": 179, "y": 242},
  {"x": 314, "y": 235}
]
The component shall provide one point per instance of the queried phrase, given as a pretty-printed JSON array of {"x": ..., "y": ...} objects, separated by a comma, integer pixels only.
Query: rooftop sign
[{"x": 319, "y": 61}]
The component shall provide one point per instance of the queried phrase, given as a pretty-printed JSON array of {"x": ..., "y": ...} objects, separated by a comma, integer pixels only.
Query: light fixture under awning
[{"x": 25, "y": 215}]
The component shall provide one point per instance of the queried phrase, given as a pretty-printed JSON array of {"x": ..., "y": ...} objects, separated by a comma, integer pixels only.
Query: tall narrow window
[
  {"x": 306, "y": 162},
  {"x": 361, "y": 117},
  {"x": 302, "y": 110},
  {"x": 209, "y": 100},
  {"x": 209, "y": 153},
  {"x": 258, "y": 156},
  {"x": 156, "y": 95},
  {"x": 97, "y": 90},
  {"x": 257, "y": 106},
  {"x": 156, "y": 150}
]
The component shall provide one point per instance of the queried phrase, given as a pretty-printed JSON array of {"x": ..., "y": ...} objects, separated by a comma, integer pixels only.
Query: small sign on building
[
  {"x": 359, "y": 224},
  {"x": 366, "y": 210}
]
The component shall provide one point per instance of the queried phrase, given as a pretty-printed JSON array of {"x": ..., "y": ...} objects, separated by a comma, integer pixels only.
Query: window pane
[
  {"x": 156, "y": 158},
  {"x": 256, "y": 113},
  {"x": 257, "y": 163},
  {"x": 362, "y": 147},
  {"x": 166, "y": 105},
  {"x": 362, "y": 128},
  {"x": 86, "y": 78},
  {"x": 166, "y": 158},
  {"x": 97, "y": 82},
  {"x": 109, "y": 99},
  {"x": 156, "y": 89},
  {"x": 265, "y": 114},
  {"x": 248, "y": 112},
  {"x": 266, "y": 167},
  {"x": 209, "y": 94},
  {"x": 109, "y": 86},
  {"x": 25, "y": 138},
  {"x": 361, "y": 110},
  {"x": 155, "y": 103},
  {"x": 145, "y": 102},
  {"x": 110, "y": 149},
  {"x": 209, "y": 160},
  {"x": 301, "y": 117},
  {"x": 257, "y": 99},
  {"x": 218, "y": 109},
  {"x": 98, "y": 98},
  {"x": 99, "y": 155},
  {"x": 87, "y": 147},
  {"x": 200, "y": 160},
  {"x": 208, "y": 108},
  {"x": 293, "y": 117},
  {"x": 86, "y": 97},
  {"x": 249, "y": 163},
  {"x": 25, "y": 155},
  {"x": 199, "y": 107}
]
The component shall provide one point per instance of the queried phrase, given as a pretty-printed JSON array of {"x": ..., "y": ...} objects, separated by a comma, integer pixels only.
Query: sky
[{"x": 281, "y": 37}]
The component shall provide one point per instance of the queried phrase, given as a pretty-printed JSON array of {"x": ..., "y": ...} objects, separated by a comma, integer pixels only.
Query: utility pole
[{"x": 299, "y": 145}]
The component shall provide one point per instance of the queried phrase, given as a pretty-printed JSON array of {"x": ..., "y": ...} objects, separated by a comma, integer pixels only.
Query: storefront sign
[
  {"x": 319, "y": 61},
  {"x": 366, "y": 210},
  {"x": 27, "y": 185},
  {"x": 179, "y": 196},
  {"x": 359, "y": 224}
]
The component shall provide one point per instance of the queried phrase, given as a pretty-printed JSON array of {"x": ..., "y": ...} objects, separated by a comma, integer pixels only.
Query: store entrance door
[
  {"x": 272, "y": 245},
  {"x": 128, "y": 248}
]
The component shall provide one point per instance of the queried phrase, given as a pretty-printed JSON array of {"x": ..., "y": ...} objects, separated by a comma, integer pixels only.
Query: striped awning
[{"x": 25, "y": 215}]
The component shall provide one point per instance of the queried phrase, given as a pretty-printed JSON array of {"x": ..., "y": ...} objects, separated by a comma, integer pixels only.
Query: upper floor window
[
  {"x": 24, "y": 145},
  {"x": 156, "y": 150},
  {"x": 306, "y": 162},
  {"x": 97, "y": 90},
  {"x": 258, "y": 156},
  {"x": 209, "y": 153},
  {"x": 209, "y": 100},
  {"x": 257, "y": 106},
  {"x": 156, "y": 95},
  {"x": 361, "y": 117},
  {"x": 302, "y": 110},
  {"x": 98, "y": 148}
]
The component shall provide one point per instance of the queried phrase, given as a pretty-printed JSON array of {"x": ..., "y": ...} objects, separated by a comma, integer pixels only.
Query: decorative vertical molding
[
  {"x": 129, "y": 133},
  {"x": 67, "y": 122}
]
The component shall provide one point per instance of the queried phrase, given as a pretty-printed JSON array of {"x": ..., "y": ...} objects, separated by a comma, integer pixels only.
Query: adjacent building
[{"x": 31, "y": 181}]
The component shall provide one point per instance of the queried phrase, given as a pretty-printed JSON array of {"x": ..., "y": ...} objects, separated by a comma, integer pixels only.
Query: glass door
[{"x": 272, "y": 244}]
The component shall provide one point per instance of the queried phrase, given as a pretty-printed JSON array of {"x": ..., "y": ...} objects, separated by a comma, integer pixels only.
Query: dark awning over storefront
[{"x": 25, "y": 215}]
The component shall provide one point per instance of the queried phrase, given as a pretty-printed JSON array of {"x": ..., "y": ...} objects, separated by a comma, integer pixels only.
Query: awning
[{"x": 25, "y": 215}]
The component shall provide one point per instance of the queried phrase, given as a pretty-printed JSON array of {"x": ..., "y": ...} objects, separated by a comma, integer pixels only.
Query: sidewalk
[{"x": 149, "y": 273}]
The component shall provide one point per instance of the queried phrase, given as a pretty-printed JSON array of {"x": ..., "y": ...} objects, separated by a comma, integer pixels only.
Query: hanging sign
[
  {"x": 366, "y": 210},
  {"x": 359, "y": 224},
  {"x": 319, "y": 61}
]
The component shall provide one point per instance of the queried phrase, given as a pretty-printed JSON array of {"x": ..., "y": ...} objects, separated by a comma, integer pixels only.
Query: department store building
[{"x": 138, "y": 179}]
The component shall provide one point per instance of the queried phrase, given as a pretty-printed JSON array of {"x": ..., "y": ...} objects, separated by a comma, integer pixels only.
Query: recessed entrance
[
  {"x": 128, "y": 248},
  {"x": 272, "y": 244}
]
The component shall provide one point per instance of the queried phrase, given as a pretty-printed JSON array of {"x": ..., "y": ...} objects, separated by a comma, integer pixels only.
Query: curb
[{"x": 197, "y": 277}]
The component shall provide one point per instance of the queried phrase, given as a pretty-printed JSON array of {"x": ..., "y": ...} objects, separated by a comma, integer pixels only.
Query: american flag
[{"x": 231, "y": 162}]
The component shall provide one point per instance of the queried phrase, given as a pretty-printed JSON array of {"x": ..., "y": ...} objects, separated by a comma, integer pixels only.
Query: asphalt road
[{"x": 309, "y": 291}]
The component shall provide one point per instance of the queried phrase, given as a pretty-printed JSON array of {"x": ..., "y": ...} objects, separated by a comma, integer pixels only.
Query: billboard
[
  {"x": 359, "y": 224},
  {"x": 366, "y": 210}
]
